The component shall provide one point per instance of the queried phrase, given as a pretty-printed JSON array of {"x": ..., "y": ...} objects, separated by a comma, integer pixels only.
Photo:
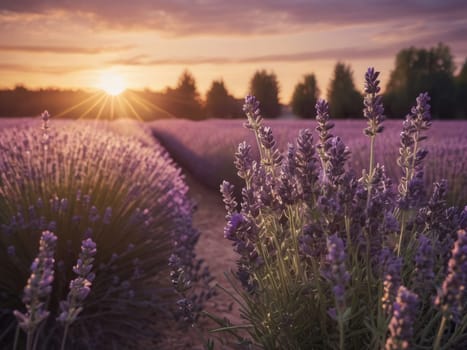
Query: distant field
[{"x": 205, "y": 149}]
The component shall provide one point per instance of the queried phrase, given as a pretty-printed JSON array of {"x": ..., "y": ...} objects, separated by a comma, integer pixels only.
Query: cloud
[
  {"x": 62, "y": 49},
  {"x": 54, "y": 70},
  {"x": 346, "y": 53},
  {"x": 189, "y": 17}
]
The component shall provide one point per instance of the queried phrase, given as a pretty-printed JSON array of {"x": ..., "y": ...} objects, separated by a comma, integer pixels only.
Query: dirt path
[{"x": 217, "y": 252}]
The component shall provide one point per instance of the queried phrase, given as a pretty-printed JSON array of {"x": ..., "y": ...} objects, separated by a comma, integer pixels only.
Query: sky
[{"x": 149, "y": 43}]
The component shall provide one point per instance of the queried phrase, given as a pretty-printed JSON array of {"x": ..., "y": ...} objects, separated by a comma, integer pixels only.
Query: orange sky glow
[{"x": 149, "y": 43}]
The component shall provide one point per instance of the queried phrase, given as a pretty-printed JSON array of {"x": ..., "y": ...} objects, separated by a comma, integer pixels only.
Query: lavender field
[
  {"x": 206, "y": 149},
  {"x": 185, "y": 162}
]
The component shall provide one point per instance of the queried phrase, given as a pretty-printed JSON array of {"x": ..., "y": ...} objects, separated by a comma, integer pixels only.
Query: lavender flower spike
[
  {"x": 337, "y": 273},
  {"x": 253, "y": 113},
  {"x": 391, "y": 283},
  {"x": 452, "y": 297},
  {"x": 403, "y": 318},
  {"x": 45, "y": 116},
  {"x": 374, "y": 109},
  {"x": 80, "y": 287},
  {"x": 324, "y": 125},
  {"x": 39, "y": 285},
  {"x": 423, "y": 272}
]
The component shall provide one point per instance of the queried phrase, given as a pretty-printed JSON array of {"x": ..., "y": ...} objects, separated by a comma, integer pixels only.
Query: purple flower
[
  {"x": 287, "y": 188},
  {"x": 93, "y": 214},
  {"x": 392, "y": 280},
  {"x": 403, "y": 317},
  {"x": 80, "y": 287},
  {"x": 243, "y": 161},
  {"x": 185, "y": 308},
  {"x": 338, "y": 154},
  {"x": 411, "y": 155},
  {"x": 227, "y": 191},
  {"x": 45, "y": 116},
  {"x": 423, "y": 274},
  {"x": 253, "y": 113},
  {"x": 107, "y": 216},
  {"x": 324, "y": 125},
  {"x": 233, "y": 225},
  {"x": 269, "y": 144},
  {"x": 336, "y": 273},
  {"x": 452, "y": 297},
  {"x": 307, "y": 169},
  {"x": 373, "y": 110},
  {"x": 11, "y": 251},
  {"x": 39, "y": 285}
]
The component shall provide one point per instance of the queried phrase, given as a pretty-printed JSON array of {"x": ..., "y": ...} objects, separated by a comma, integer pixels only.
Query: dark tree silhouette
[
  {"x": 419, "y": 70},
  {"x": 184, "y": 101},
  {"x": 304, "y": 97},
  {"x": 220, "y": 104},
  {"x": 461, "y": 95},
  {"x": 266, "y": 89},
  {"x": 344, "y": 99}
]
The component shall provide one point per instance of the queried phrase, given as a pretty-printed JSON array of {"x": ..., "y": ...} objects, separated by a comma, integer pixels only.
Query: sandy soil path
[{"x": 217, "y": 252}]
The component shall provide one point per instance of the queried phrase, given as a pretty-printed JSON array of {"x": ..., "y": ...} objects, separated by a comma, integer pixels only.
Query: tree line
[{"x": 416, "y": 70}]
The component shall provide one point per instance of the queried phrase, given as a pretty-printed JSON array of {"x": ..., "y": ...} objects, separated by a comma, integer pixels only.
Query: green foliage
[
  {"x": 265, "y": 87},
  {"x": 304, "y": 97},
  {"x": 344, "y": 99},
  {"x": 220, "y": 104},
  {"x": 418, "y": 69}
]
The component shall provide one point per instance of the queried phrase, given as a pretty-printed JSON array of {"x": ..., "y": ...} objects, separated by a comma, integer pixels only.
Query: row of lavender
[
  {"x": 332, "y": 259},
  {"x": 206, "y": 148},
  {"x": 88, "y": 223}
]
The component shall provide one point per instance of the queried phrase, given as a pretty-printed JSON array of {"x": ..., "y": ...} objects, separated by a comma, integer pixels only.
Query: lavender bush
[
  {"x": 119, "y": 210},
  {"x": 329, "y": 259}
]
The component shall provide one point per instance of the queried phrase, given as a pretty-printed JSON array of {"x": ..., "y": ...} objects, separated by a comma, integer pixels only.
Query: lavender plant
[
  {"x": 329, "y": 259},
  {"x": 93, "y": 188}
]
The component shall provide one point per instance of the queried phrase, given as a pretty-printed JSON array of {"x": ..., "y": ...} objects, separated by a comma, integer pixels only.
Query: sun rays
[
  {"x": 112, "y": 83},
  {"x": 104, "y": 105}
]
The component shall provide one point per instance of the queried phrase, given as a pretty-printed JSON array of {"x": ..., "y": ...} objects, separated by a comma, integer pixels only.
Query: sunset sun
[{"x": 111, "y": 83}]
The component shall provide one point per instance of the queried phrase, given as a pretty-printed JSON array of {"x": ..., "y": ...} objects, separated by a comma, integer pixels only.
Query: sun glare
[{"x": 112, "y": 83}]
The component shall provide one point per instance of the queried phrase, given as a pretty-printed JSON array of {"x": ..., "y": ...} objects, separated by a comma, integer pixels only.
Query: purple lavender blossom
[
  {"x": 402, "y": 321},
  {"x": 185, "y": 308},
  {"x": 306, "y": 163},
  {"x": 45, "y": 116},
  {"x": 243, "y": 161},
  {"x": 80, "y": 287},
  {"x": 423, "y": 274},
  {"x": 269, "y": 143},
  {"x": 392, "y": 280},
  {"x": 253, "y": 113},
  {"x": 324, "y": 125},
  {"x": 374, "y": 109},
  {"x": 452, "y": 297},
  {"x": 227, "y": 191},
  {"x": 336, "y": 273},
  {"x": 338, "y": 153},
  {"x": 287, "y": 189},
  {"x": 250, "y": 202},
  {"x": 411, "y": 155},
  {"x": 107, "y": 216},
  {"x": 39, "y": 285}
]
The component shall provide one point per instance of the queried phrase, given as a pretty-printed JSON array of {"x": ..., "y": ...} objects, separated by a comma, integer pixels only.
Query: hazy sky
[{"x": 69, "y": 43}]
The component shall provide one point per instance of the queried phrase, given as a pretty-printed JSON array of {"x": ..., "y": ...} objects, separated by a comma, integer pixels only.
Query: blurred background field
[{"x": 206, "y": 149}]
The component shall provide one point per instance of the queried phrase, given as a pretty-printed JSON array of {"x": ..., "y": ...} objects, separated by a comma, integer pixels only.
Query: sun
[{"x": 112, "y": 83}]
